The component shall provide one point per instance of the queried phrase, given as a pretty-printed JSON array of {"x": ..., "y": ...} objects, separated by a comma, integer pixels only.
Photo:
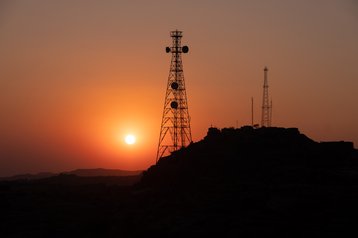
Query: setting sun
[{"x": 130, "y": 139}]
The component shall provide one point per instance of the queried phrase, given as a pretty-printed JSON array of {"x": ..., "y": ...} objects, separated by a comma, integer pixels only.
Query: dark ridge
[
  {"x": 250, "y": 182},
  {"x": 104, "y": 172},
  {"x": 28, "y": 176},
  {"x": 75, "y": 180},
  {"x": 256, "y": 155},
  {"x": 98, "y": 172}
]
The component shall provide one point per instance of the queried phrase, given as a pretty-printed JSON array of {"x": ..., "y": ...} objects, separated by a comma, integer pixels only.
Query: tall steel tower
[
  {"x": 266, "y": 109},
  {"x": 175, "y": 131}
]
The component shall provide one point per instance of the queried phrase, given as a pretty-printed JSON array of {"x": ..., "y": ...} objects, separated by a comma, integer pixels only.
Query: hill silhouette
[
  {"x": 97, "y": 172},
  {"x": 103, "y": 172},
  {"x": 256, "y": 155},
  {"x": 257, "y": 182},
  {"x": 242, "y": 182}
]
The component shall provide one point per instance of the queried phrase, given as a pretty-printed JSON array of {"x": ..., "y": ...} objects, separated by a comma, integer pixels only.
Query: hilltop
[
  {"x": 254, "y": 183},
  {"x": 256, "y": 155}
]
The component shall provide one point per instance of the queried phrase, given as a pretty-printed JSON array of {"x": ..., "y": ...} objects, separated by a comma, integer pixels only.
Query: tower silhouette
[
  {"x": 266, "y": 108},
  {"x": 175, "y": 131}
]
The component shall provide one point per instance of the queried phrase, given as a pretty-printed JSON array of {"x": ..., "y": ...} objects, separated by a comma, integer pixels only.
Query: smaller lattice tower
[
  {"x": 175, "y": 131},
  {"x": 266, "y": 107}
]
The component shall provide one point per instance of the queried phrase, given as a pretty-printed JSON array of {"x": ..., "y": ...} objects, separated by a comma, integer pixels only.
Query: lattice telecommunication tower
[
  {"x": 266, "y": 108},
  {"x": 175, "y": 131}
]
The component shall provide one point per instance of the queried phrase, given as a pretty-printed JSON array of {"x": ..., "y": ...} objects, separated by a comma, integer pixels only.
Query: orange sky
[{"x": 76, "y": 76}]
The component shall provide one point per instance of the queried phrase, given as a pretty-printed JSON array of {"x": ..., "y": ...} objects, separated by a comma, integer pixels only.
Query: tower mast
[
  {"x": 252, "y": 111},
  {"x": 271, "y": 113},
  {"x": 265, "y": 115},
  {"x": 175, "y": 131}
]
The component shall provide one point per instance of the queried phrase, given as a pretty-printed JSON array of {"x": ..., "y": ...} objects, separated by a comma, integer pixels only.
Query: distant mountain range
[{"x": 78, "y": 172}]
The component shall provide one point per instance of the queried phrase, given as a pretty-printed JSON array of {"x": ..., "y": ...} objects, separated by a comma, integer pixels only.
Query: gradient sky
[{"x": 76, "y": 76}]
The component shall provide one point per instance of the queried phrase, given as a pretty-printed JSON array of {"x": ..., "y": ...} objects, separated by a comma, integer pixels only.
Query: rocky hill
[
  {"x": 253, "y": 183},
  {"x": 255, "y": 155}
]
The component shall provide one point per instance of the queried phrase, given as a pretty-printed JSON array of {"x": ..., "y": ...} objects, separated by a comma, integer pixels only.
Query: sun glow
[{"x": 130, "y": 139}]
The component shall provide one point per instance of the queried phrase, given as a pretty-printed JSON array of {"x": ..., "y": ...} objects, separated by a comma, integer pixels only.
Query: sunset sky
[{"x": 77, "y": 76}]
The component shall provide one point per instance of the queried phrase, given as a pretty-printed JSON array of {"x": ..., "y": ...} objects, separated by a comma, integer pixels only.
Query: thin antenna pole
[
  {"x": 271, "y": 113},
  {"x": 252, "y": 111}
]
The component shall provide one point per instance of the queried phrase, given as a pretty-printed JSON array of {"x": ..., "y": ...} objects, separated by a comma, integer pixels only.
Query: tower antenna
[
  {"x": 265, "y": 116},
  {"x": 252, "y": 111},
  {"x": 271, "y": 113},
  {"x": 175, "y": 131}
]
